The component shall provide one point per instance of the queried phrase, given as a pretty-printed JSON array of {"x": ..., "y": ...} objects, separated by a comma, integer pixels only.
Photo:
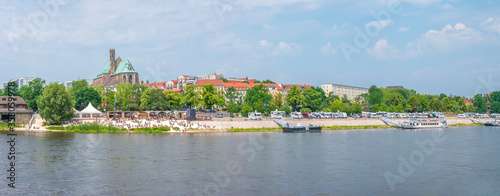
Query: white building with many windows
[
  {"x": 20, "y": 81},
  {"x": 341, "y": 90}
]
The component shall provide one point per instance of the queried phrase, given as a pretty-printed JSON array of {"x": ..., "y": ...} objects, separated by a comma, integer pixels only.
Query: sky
[{"x": 432, "y": 46}]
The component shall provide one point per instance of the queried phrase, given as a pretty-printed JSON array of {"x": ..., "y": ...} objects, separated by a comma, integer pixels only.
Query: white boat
[{"x": 416, "y": 123}]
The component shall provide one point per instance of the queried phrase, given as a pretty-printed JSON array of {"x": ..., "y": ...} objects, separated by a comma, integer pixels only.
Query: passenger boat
[
  {"x": 297, "y": 129},
  {"x": 417, "y": 123},
  {"x": 494, "y": 123}
]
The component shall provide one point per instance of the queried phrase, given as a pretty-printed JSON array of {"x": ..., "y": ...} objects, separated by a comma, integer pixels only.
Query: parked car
[{"x": 219, "y": 115}]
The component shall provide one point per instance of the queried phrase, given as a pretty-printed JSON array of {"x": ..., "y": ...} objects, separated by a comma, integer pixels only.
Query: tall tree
[
  {"x": 174, "y": 100},
  {"x": 312, "y": 99},
  {"x": 12, "y": 89},
  {"x": 191, "y": 98},
  {"x": 56, "y": 104},
  {"x": 375, "y": 95},
  {"x": 77, "y": 85},
  {"x": 87, "y": 95},
  {"x": 231, "y": 94},
  {"x": 153, "y": 99},
  {"x": 256, "y": 93},
  {"x": 294, "y": 97},
  {"x": 480, "y": 103},
  {"x": 209, "y": 95},
  {"x": 31, "y": 92}
]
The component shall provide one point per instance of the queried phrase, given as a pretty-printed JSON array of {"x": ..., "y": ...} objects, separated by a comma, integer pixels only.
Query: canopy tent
[{"x": 90, "y": 110}]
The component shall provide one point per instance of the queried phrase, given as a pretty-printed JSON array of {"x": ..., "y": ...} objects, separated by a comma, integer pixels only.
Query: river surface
[{"x": 453, "y": 161}]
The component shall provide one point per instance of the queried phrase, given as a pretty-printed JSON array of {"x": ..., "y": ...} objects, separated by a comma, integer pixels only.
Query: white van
[
  {"x": 255, "y": 116},
  {"x": 297, "y": 115},
  {"x": 277, "y": 114}
]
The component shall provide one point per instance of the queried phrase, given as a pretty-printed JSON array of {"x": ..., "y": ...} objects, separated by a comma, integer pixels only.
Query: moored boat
[
  {"x": 297, "y": 129},
  {"x": 494, "y": 123},
  {"x": 417, "y": 123},
  {"x": 301, "y": 129}
]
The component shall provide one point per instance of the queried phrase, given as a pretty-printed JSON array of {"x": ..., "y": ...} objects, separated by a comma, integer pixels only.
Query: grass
[
  {"x": 5, "y": 126},
  {"x": 98, "y": 128},
  {"x": 262, "y": 129},
  {"x": 350, "y": 127},
  {"x": 463, "y": 125}
]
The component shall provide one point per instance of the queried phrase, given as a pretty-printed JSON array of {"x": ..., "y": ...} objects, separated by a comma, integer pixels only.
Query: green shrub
[{"x": 245, "y": 110}]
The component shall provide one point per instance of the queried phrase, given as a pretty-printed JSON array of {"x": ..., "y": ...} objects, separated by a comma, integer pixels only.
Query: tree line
[{"x": 55, "y": 103}]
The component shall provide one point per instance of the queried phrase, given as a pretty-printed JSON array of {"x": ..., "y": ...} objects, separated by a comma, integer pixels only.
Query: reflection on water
[{"x": 332, "y": 162}]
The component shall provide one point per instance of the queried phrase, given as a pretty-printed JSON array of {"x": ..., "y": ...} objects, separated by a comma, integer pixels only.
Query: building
[
  {"x": 395, "y": 87},
  {"x": 340, "y": 90},
  {"x": 69, "y": 84},
  {"x": 218, "y": 84},
  {"x": 20, "y": 82},
  {"x": 23, "y": 114},
  {"x": 287, "y": 87},
  {"x": 184, "y": 80},
  {"x": 116, "y": 71},
  {"x": 212, "y": 76}
]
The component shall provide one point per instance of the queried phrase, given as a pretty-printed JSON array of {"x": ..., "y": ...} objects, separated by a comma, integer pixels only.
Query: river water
[{"x": 453, "y": 161}]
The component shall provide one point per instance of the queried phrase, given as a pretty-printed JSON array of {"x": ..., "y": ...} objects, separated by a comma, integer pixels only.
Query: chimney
[{"x": 142, "y": 82}]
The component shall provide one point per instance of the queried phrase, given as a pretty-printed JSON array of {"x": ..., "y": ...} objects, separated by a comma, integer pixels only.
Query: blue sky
[{"x": 431, "y": 46}]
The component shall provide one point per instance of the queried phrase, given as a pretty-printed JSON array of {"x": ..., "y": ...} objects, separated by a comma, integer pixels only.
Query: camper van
[
  {"x": 277, "y": 114},
  {"x": 297, "y": 115},
  {"x": 254, "y": 116}
]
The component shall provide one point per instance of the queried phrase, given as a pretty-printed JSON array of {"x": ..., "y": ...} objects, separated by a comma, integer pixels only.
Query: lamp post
[{"x": 266, "y": 107}]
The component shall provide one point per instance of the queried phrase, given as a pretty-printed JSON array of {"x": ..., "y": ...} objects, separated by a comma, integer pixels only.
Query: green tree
[
  {"x": 495, "y": 107},
  {"x": 444, "y": 104},
  {"x": 209, "y": 95},
  {"x": 173, "y": 100},
  {"x": 233, "y": 108},
  {"x": 231, "y": 94},
  {"x": 191, "y": 98},
  {"x": 86, "y": 95},
  {"x": 153, "y": 99},
  {"x": 435, "y": 105},
  {"x": 375, "y": 95},
  {"x": 268, "y": 82},
  {"x": 305, "y": 110},
  {"x": 480, "y": 103},
  {"x": 77, "y": 85},
  {"x": 12, "y": 89},
  {"x": 294, "y": 97},
  {"x": 31, "y": 92},
  {"x": 56, "y": 104},
  {"x": 357, "y": 108},
  {"x": 245, "y": 110},
  {"x": 256, "y": 93},
  {"x": 442, "y": 96},
  {"x": 336, "y": 106},
  {"x": 312, "y": 99}
]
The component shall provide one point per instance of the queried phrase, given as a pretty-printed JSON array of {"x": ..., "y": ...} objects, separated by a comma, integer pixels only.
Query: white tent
[{"x": 90, "y": 110}]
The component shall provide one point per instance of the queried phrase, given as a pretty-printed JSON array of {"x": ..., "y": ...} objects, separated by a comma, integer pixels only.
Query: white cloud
[
  {"x": 446, "y": 6},
  {"x": 264, "y": 43},
  {"x": 327, "y": 49},
  {"x": 450, "y": 37},
  {"x": 382, "y": 50},
  {"x": 447, "y": 39},
  {"x": 380, "y": 24},
  {"x": 491, "y": 25},
  {"x": 403, "y": 29},
  {"x": 286, "y": 48}
]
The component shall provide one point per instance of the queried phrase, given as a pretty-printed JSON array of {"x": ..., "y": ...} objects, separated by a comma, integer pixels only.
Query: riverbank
[{"x": 265, "y": 125}]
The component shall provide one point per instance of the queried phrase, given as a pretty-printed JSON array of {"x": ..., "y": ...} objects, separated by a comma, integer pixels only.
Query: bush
[
  {"x": 232, "y": 116},
  {"x": 245, "y": 110},
  {"x": 305, "y": 110}
]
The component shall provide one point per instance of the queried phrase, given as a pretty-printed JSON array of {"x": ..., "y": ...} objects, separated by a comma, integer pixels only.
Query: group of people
[{"x": 151, "y": 122}]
